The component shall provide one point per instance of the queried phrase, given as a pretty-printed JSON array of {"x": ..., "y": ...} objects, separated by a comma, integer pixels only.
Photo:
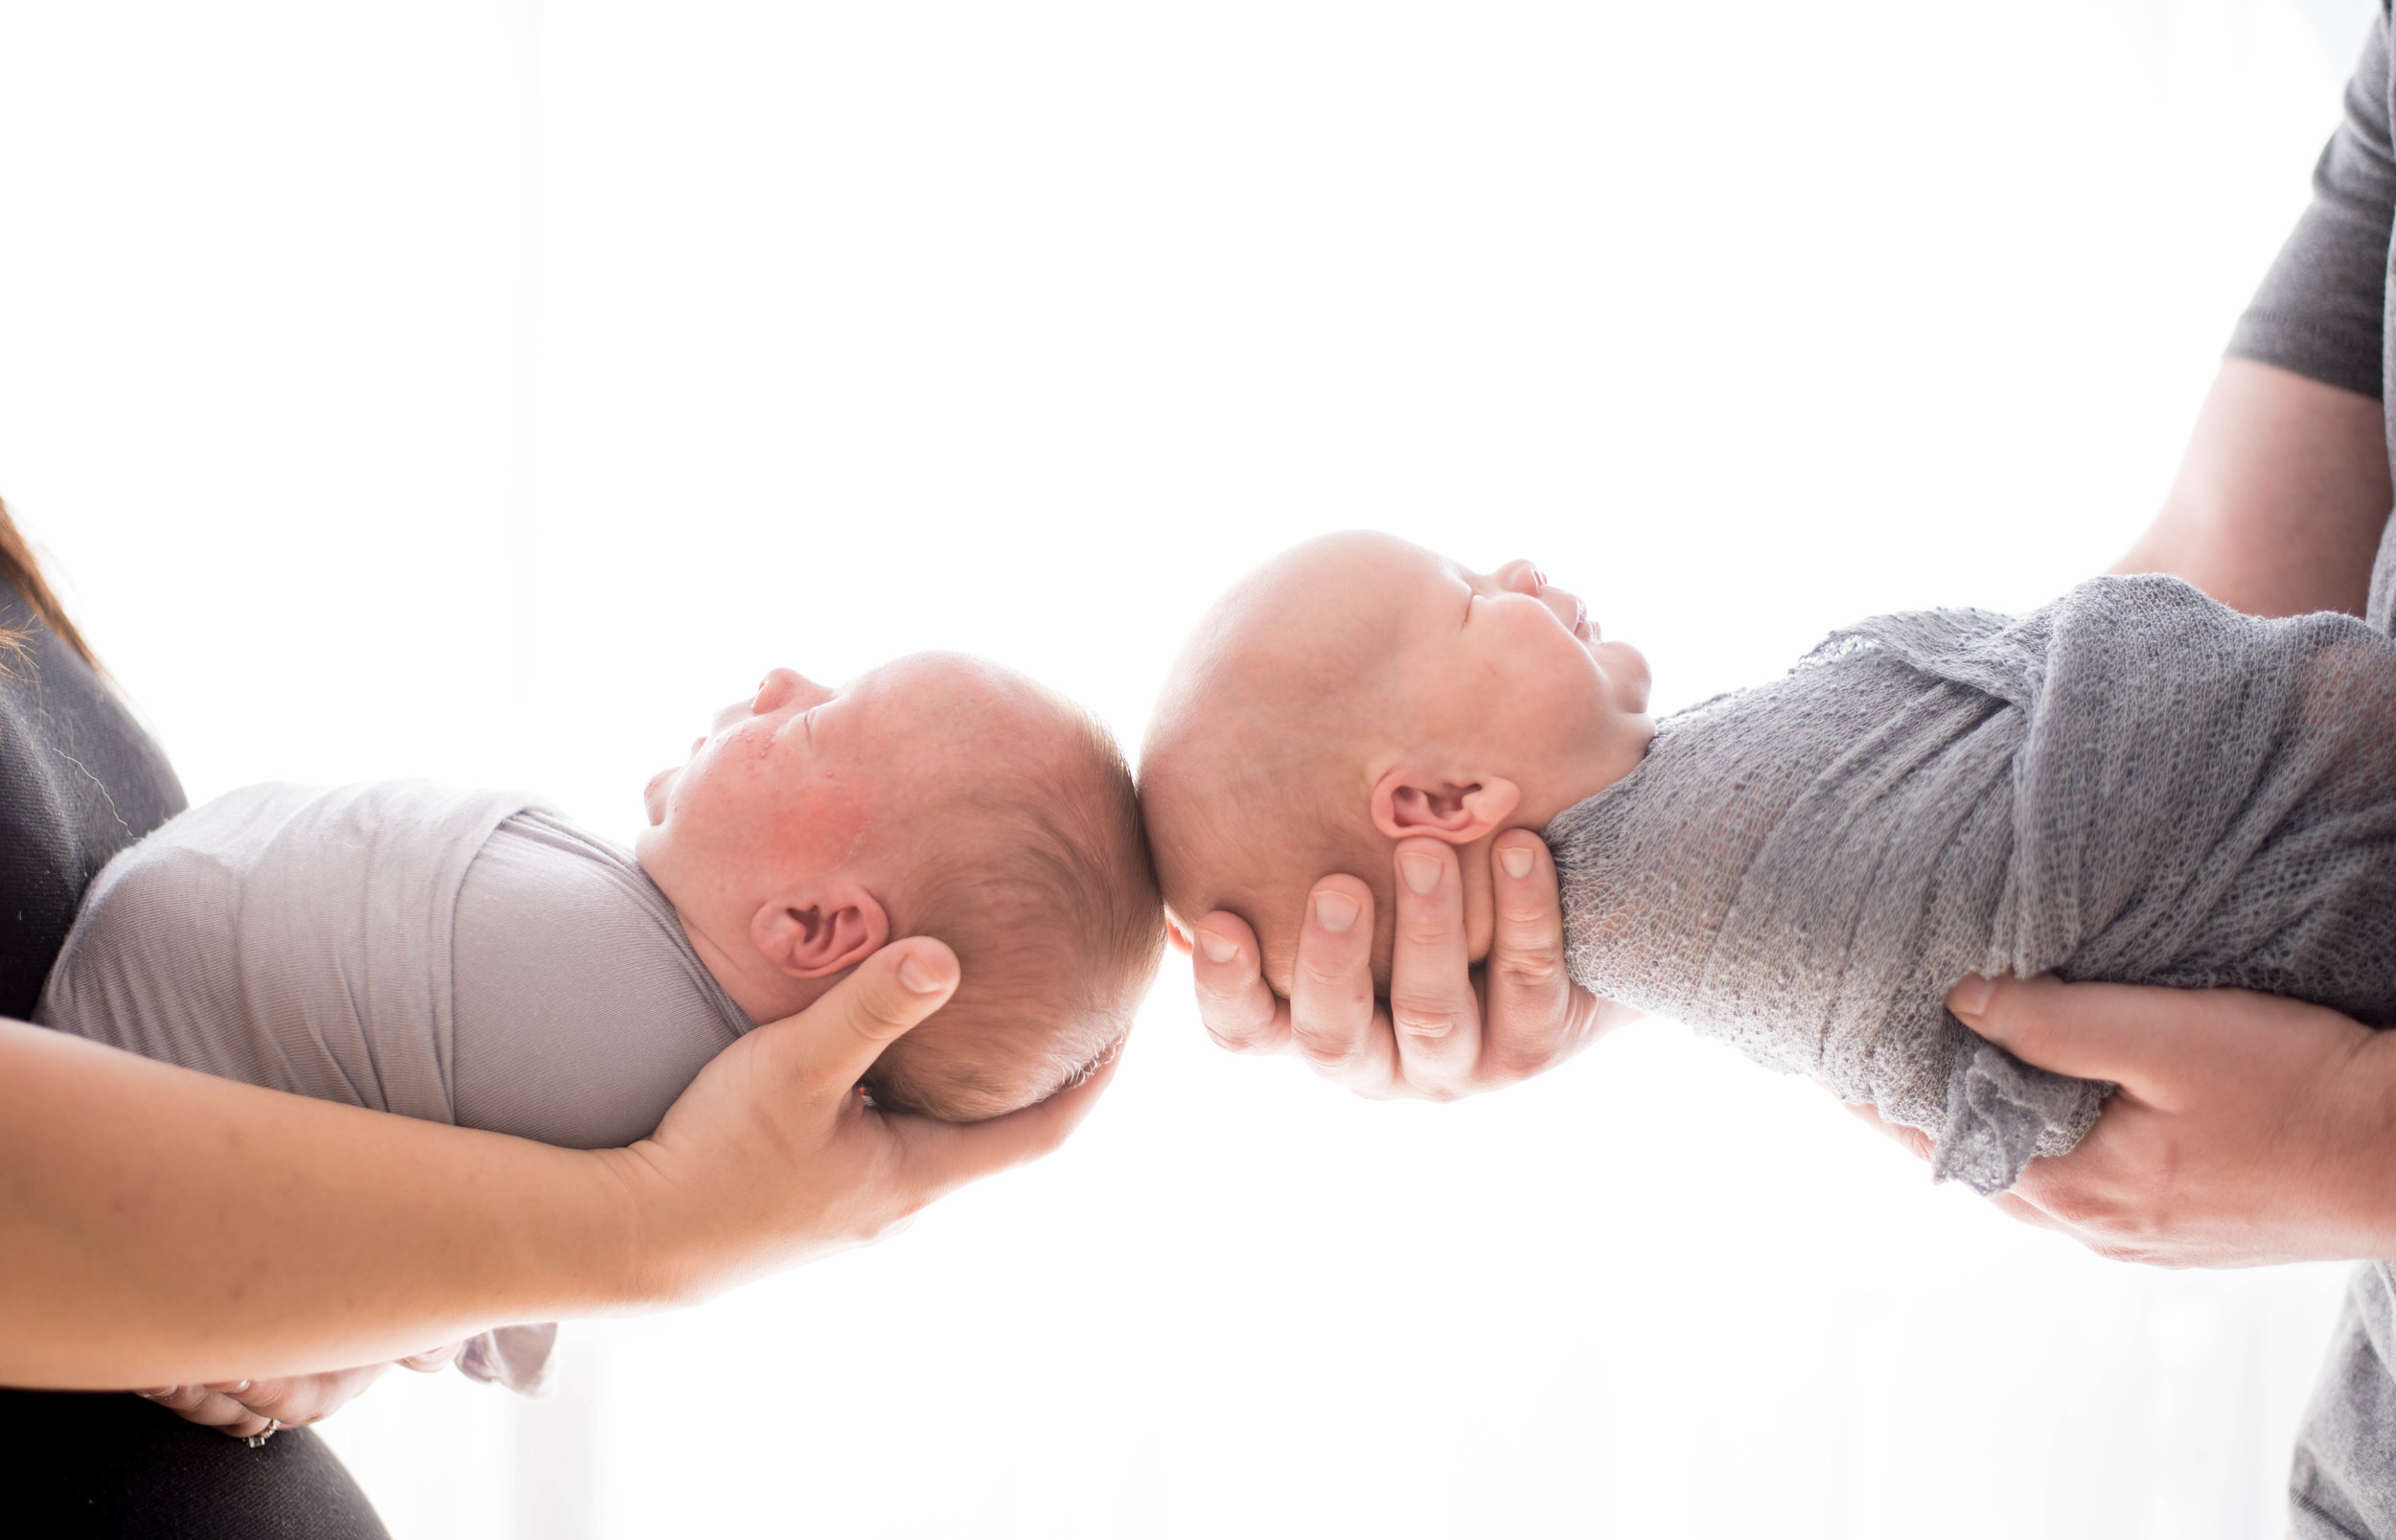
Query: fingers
[
  {"x": 1537, "y": 1014},
  {"x": 1239, "y": 1009},
  {"x": 212, "y": 1407},
  {"x": 1913, "y": 1139},
  {"x": 434, "y": 1361},
  {"x": 939, "y": 1158},
  {"x": 1333, "y": 1014},
  {"x": 2026, "y": 1213},
  {"x": 831, "y": 1044},
  {"x": 2117, "y": 1032},
  {"x": 1434, "y": 1010}
]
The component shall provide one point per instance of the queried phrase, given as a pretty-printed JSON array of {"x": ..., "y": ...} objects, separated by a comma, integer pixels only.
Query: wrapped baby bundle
[{"x": 2132, "y": 784}]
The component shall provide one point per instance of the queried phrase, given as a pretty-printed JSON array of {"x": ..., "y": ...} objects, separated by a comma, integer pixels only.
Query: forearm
[
  {"x": 162, "y": 1226},
  {"x": 2281, "y": 496}
]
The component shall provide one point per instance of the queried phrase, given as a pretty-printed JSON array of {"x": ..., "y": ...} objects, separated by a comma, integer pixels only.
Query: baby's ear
[
  {"x": 815, "y": 936},
  {"x": 1409, "y": 802}
]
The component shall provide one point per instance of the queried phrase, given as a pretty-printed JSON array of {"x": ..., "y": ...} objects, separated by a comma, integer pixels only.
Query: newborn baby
[
  {"x": 2133, "y": 784},
  {"x": 472, "y": 957}
]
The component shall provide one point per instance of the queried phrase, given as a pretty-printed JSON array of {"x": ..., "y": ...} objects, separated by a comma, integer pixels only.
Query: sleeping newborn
[
  {"x": 2133, "y": 784},
  {"x": 472, "y": 957}
]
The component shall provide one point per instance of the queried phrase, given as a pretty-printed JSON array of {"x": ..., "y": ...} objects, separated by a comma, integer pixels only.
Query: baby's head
[
  {"x": 936, "y": 795},
  {"x": 1358, "y": 691}
]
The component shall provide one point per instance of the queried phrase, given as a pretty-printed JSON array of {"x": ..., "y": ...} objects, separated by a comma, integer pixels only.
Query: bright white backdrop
[{"x": 486, "y": 391}]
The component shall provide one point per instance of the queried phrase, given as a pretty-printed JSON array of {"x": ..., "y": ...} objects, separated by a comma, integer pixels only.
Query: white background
[{"x": 488, "y": 391}]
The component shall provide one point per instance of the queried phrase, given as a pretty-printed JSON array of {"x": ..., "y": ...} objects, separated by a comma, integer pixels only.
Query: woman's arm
[{"x": 164, "y": 1227}]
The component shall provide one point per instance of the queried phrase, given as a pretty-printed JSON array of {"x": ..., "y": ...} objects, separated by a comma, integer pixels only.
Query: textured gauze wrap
[{"x": 2132, "y": 784}]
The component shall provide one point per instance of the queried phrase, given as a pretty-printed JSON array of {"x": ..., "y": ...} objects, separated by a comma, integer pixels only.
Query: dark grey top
[
  {"x": 2323, "y": 312},
  {"x": 78, "y": 782}
]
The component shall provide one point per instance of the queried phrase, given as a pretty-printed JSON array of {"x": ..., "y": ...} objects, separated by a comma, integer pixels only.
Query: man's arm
[
  {"x": 162, "y": 1226},
  {"x": 2280, "y": 498},
  {"x": 2283, "y": 490}
]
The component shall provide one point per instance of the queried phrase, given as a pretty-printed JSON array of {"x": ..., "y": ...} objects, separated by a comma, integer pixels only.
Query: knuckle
[
  {"x": 1426, "y": 1025},
  {"x": 1332, "y": 1056},
  {"x": 1506, "y": 1058},
  {"x": 1328, "y": 976},
  {"x": 1529, "y": 970},
  {"x": 2083, "y": 1210},
  {"x": 882, "y": 1014}
]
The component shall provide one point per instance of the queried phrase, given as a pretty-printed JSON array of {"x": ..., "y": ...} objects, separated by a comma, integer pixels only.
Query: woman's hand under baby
[
  {"x": 773, "y": 1155},
  {"x": 250, "y": 1409},
  {"x": 1450, "y": 1029}
]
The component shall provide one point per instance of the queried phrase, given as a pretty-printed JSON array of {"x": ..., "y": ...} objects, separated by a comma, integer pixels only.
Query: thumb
[
  {"x": 829, "y": 1046},
  {"x": 2095, "y": 1031}
]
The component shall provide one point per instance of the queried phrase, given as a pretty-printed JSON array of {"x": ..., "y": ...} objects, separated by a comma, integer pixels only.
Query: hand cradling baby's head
[
  {"x": 935, "y": 795},
  {"x": 1357, "y": 691}
]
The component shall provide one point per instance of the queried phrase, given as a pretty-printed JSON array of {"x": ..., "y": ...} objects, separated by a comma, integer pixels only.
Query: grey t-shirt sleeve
[{"x": 2321, "y": 308}]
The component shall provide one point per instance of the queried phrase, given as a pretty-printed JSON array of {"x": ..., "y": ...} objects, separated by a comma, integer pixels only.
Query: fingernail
[
  {"x": 152, "y": 1396},
  {"x": 1420, "y": 871},
  {"x": 1516, "y": 860},
  {"x": 1971, "y": 994},
  {"x": 1217, "y": 947},
  {"x": 1335, "y": 912},
  {"x": 921, "y": 976}
]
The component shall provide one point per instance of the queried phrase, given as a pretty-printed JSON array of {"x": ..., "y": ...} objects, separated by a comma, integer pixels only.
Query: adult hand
[
  {"x": 1450, "y": 1029},
  {"x": 773, "y": 1155},
  {"x": 2248, "y": 1129},
  {"x": 245, "y": 1409}
]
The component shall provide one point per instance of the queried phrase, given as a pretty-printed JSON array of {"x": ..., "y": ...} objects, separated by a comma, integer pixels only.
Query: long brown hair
[{"x": 22, "y": 572}]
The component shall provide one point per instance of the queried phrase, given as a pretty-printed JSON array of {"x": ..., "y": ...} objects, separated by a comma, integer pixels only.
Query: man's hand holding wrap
[{"x": 2248, "y": 1130}]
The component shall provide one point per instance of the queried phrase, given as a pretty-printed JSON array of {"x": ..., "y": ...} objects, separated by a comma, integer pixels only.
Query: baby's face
[
  {"x": 1496, "y": 672},
  {"x": 1359, "y": 690},
  {"x": 796, "y": 776}
]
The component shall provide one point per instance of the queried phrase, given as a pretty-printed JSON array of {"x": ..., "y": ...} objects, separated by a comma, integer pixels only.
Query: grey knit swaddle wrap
[{"x": 2132, "y": 784}]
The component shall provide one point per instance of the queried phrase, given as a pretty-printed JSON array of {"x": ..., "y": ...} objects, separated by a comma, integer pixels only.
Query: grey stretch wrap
[{"x": 2132, "y": 784}]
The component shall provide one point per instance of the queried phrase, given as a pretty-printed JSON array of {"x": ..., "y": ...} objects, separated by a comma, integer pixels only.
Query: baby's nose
[
  {"x": 1521, "y": 577},
  {"x": 784, "y": 687}
]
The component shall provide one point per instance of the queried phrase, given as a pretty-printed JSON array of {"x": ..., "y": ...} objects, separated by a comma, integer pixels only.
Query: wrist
[
  {"x": 2364, "y": 1168},
  {"x": 644, "y": 1252}
]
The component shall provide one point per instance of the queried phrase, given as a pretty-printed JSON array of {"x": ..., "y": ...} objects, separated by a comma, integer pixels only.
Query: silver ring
[{"x": 274, "y": 1425}]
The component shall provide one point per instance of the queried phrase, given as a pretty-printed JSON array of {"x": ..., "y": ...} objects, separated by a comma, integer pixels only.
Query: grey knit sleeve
[{"x": 2322, "y": 307}]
